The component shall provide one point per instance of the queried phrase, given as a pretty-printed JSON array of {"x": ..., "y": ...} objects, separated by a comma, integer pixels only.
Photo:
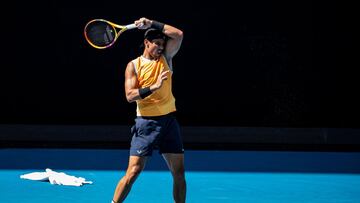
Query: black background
[{"x": 250, "y": 63}]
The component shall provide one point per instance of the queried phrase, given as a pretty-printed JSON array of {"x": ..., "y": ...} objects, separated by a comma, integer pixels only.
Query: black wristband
[
  {"x": 157, "y": 25},
  {"x": 144, "y": 92}
]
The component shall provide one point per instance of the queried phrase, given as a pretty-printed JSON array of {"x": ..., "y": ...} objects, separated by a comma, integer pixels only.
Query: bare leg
[
  {"x": 175, "y": 163},
  {"x": 136, "y": 165}
]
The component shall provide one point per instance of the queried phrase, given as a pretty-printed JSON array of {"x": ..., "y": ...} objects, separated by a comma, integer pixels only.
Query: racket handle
[{"x": 133, "y": 26}]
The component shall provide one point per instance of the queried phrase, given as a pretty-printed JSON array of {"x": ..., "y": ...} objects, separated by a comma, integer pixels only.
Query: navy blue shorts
[{"x": 159, "y": 132}]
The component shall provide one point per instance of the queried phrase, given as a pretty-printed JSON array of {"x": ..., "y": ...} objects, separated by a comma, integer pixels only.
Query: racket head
[{"x": 100, "y": 33}]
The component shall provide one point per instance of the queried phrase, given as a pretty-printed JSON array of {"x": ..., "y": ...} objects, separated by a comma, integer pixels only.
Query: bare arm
[
  {"x": 131, "y": 88},
  {"x": 131, "y": 91},
  {"x": 174, "y": 42}
]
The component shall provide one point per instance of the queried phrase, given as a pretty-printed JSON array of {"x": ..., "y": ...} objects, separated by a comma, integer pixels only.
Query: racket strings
[{"x": 100, "y": 34}]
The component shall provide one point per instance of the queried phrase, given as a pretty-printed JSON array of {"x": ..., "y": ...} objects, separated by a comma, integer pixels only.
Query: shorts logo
[{"x": 139, "y": 151}]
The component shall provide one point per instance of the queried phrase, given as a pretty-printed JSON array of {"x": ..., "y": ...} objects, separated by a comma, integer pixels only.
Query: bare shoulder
[{"x": 130, "y": 69}]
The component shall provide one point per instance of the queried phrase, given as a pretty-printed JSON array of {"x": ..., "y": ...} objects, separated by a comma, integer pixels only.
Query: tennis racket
[{"x": 102, "y": 34}]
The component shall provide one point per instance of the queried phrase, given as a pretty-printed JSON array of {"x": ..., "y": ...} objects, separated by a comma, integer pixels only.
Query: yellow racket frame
[{"x": 118, "y": 29}]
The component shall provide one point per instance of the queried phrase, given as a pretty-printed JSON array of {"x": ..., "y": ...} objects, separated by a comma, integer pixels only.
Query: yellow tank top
[{"x": 160, "y": 102}]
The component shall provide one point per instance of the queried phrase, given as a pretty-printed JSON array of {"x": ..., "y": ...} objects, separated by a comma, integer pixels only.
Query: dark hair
[{"x": 152, "y": 34}]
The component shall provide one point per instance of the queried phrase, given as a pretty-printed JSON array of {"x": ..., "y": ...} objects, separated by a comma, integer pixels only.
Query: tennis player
[{"x": 148, "y": 83}]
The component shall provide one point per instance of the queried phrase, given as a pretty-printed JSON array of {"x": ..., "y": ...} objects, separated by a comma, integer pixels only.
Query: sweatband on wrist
[
  {"x": 144, "y": 92},
  {"x": 157, "y": 25}
]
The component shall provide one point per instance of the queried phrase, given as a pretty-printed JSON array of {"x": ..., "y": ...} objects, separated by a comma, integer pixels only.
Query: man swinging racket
[{"x": 148, "y": 82}]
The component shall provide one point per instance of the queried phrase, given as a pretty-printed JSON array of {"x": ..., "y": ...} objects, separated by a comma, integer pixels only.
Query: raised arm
[{"x": 174, "y": 42}]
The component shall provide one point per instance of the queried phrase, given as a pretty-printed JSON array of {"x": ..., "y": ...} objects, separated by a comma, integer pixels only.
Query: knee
[
  {"x": 179, "y": 173},
  {"x": 133, "y": 173}
]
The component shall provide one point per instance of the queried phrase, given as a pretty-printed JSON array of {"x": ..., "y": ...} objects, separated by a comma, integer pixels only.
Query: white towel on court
[{"x": 56, "y": 178}]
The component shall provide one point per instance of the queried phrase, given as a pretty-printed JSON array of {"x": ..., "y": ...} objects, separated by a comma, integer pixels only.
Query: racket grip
[{"x": 131, "y": 26}]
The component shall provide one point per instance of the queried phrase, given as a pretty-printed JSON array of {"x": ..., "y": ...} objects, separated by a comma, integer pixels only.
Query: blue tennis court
[{"x": 212, "y": 176}]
